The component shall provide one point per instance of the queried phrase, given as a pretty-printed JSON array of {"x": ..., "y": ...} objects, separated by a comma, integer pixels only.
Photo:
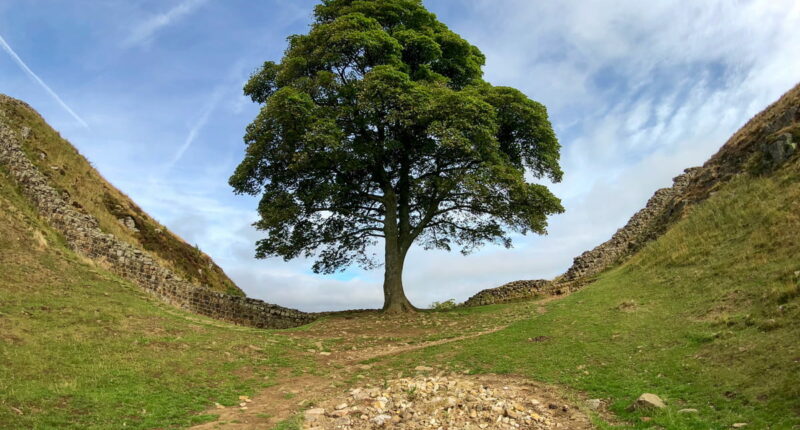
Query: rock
[
  {"x": 340, "y": 413},
  {"x": 648, "y": 401},
  {"x": 313, "y": 414},
  {"x": 423, "y": 369},
  {"x": 594, "y": 404},
  {"x": 129, "y": 223},
  {"x": 381, "y": 419},
  {"x": 739, "y": 425},
  {"x": 341, "y": 406},
  {"x": 688, "y": 411},
  {"x": 781, "y": 149},
  {"x": 443, "y": 401},
  {"x": 325, "y": 353}
]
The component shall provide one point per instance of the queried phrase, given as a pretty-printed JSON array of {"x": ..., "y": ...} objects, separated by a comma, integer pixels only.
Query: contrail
[
  {"x": 146, "y": 29},
  {"x": 39, "y": 80},
  {"x": 201, "y": 122}
]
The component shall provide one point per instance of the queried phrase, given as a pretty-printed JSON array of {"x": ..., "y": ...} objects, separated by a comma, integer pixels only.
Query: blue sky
[{"x": 150, "y": 92}]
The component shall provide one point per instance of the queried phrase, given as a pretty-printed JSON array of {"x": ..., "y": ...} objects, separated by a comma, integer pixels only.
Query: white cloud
[
  {"x": 41, "y": 83},
  {"x": 145, "y": 30}
]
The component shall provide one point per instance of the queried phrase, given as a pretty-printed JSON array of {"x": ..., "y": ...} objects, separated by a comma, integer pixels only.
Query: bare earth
[{"x": 350, "y": 394}]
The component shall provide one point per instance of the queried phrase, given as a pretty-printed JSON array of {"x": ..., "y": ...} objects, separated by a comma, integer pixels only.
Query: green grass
[
  {"x": 82, "y": 349},
  {"x": 707, "y": 317},
  {"x": 293, "y": 423}
]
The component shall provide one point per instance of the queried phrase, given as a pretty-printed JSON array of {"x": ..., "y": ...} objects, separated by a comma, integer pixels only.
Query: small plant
[
  {"x": 444, "y": 306},
  {"x": 411, "y": 393}
]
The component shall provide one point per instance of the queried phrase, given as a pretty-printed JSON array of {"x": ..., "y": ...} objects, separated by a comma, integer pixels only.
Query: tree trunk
[{"x": 394, "y": 298}]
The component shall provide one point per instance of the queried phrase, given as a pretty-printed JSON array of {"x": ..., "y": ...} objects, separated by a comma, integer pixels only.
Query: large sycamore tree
[{"x": 377, "y": 127}]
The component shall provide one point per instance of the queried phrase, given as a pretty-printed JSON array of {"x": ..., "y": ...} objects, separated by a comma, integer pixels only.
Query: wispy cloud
[
  {"x": 201, "y": 122},
  {"x": 39, "y": 81},
  {"x": 146, "y": 29}
]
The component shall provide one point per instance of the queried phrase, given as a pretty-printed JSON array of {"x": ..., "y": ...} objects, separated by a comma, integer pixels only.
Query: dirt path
[
  {"x": 343, "y": 393},
  {"x": 280, "y": 402}
]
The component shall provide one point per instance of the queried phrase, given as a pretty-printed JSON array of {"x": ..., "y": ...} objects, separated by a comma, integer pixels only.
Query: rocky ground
[{"x": 446, "y": 401}]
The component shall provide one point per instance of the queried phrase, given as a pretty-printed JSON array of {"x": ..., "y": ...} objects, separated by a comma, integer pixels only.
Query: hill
[
  {"x": 766, "y": 142},
  {"x": 87, "y": 191},
  {"x": 93, "y": 233}
]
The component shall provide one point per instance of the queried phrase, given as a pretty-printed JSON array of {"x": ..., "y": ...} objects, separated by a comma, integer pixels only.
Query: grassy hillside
[
  {"x": 82, "y": 349},
  {"x": 71, "y": 173},
  {"x": 707, "y": 316}
]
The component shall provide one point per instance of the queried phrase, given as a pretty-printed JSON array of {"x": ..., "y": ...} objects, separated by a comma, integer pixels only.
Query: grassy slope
[
  {"x": 71, "y": 172},
  {"x": 708, "y": 317},
  {"x": 81, "y": 349}
]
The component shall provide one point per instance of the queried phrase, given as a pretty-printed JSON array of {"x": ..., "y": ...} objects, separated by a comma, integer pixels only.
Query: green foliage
[
  {"x": 293, "y": 423},
  {"x": 377, "y": 124},
  {"x": 444, "y": 306}
]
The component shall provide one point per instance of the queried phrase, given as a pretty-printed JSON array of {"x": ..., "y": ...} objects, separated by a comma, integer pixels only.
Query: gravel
[{"x": 443, "y": 402}]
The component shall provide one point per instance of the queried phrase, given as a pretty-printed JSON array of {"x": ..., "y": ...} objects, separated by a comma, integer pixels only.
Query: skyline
[{"x": 150, "y": 93}]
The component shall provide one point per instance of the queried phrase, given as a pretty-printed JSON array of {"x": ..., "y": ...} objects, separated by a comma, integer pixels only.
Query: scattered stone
[
  {"x": 314, "y": 414},
  {"x": 423, "y": 369},
  {"x": 648, "y": 401},
  {"x": 739, "y": 425},
  {"x": 325, "y": 353},
  {"x": 594, "y": 404},
  {"x": 443, "y": 401},
  {"x": 688, "y": 411}
]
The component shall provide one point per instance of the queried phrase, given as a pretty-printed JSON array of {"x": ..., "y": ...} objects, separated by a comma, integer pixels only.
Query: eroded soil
[{"x": 350, "y": 390}]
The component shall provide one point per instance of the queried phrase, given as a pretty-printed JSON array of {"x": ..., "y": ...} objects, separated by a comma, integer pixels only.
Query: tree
[{"x": 377, "y": 126}]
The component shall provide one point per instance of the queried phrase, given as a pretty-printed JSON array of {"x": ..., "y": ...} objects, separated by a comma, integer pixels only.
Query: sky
[{"x": 150, "y": 91}]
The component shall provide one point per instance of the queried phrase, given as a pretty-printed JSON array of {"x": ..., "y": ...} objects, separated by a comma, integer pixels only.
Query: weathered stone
[
  {"x": 688, "y": 411},
  {"x": 648, "y": 401},
  {"x": 313, "y": 414},
  {"x": 594, "y": 404}
]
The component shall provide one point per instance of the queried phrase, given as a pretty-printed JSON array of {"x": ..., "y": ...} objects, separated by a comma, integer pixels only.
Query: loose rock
[{"x": 648, "y": 401}]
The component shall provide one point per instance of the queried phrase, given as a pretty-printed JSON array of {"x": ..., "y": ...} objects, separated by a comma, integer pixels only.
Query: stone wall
[
  {"x": 83, "y": 234},
  {"x": 640, "y": 229},
  {"x": 511, "y": 291},
  {"x": 768, "y": 140}
]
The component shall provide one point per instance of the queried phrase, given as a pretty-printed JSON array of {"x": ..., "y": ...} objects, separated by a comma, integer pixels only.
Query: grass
[
  {"x": 707, "y": 317},
  {"x": 82, "y": 349},
  {"x": 69, "y": 172}
]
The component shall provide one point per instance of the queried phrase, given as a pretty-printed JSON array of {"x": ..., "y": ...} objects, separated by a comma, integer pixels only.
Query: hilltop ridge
[
  {"x": 102, "y": 224},
  {"x": 762, "y": 145}
]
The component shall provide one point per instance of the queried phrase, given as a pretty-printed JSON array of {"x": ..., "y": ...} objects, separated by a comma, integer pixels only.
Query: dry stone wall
[
  {"x": 640, "y": 229},
  {"x": 511, "y": 291},
  {"x": 85, "y": 237}
]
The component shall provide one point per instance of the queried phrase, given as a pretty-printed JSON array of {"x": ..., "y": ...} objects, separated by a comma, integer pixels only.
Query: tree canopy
[{"x": 377, "y": 126}]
